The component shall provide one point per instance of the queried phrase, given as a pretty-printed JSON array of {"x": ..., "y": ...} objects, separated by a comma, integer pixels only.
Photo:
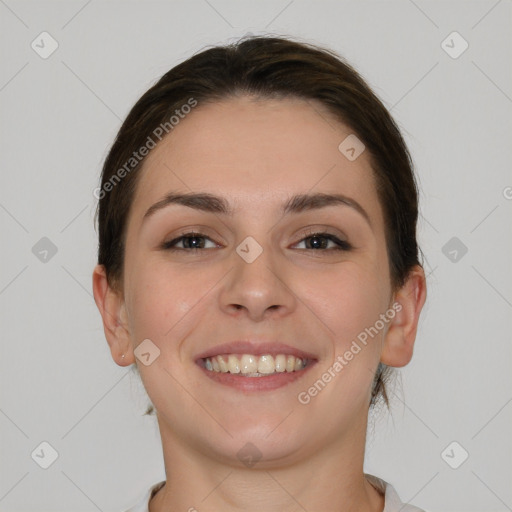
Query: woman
[{"x": 258, "y": 263}]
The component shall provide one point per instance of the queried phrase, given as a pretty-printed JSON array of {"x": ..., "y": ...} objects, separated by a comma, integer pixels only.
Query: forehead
[{"x": 256, "y": 150}]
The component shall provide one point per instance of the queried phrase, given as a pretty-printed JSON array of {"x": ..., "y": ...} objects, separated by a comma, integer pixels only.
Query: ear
[
  {"x": 113, "y": 312},
  {"x": 408, "y": 301}
]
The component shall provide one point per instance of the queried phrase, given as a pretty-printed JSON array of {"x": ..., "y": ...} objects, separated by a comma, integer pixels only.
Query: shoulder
[
  {"x": 392, "y": 502},
  {"x": 142, "y": 504}
]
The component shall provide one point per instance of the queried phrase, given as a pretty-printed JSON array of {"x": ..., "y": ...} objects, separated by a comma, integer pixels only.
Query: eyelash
[{"x": 342, "y": 245}]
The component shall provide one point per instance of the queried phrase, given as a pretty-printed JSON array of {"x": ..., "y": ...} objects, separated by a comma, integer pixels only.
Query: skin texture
[{"x": 257, "y": 153}]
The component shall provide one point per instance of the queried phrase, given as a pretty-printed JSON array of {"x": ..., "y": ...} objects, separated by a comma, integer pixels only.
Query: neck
[{"x": 331, "y": 479}]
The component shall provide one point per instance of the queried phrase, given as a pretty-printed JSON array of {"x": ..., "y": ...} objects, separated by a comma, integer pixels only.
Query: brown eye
[
  {"x": 189, "y": 241},
  {"x": 321, "y": 241}
]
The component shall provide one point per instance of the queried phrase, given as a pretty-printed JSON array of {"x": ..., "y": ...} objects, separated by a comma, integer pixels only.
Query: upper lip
[{"x": 257, "y": 348}]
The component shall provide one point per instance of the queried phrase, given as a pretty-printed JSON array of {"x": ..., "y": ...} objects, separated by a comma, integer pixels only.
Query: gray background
[{"x": 60, "y": 114}]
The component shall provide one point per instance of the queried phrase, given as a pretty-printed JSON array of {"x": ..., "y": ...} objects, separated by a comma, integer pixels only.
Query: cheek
[
  {"x": 346, "y": 301},
  {"x": 161, "y": 300},
  {"x": 349, "y": 302}
]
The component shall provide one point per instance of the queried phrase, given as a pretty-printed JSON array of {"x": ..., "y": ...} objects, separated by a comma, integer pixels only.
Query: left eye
[{"x": 322, "y": 240}]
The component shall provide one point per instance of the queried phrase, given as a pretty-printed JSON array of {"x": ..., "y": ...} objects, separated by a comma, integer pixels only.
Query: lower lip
[{"x": 266, "y": 383}]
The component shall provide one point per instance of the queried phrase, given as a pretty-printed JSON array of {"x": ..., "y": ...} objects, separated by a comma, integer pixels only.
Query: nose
[{"x": 257, "y": 289}]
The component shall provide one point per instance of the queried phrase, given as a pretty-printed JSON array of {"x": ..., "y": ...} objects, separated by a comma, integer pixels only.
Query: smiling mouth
[{"x": 249, "y": 365}]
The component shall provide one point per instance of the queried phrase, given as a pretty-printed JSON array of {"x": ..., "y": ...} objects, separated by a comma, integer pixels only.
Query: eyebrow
[{"x": 215, "y": 204}]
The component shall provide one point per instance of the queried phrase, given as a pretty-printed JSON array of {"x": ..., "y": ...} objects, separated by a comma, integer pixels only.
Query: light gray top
[{"x": 392, "y": 502}]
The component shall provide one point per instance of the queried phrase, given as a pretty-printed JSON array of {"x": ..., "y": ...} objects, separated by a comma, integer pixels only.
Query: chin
[{"x": 270, "y": 442}]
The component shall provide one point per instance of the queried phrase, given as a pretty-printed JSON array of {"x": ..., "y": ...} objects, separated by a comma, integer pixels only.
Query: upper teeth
[{"x": 254, "y": 366}]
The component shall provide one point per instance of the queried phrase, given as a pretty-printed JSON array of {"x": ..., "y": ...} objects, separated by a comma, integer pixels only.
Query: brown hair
[{"x": 266, "y": 67}]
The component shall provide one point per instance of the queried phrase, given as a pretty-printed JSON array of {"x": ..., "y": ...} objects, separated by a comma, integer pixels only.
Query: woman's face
[{"x": 255, "y": 282}]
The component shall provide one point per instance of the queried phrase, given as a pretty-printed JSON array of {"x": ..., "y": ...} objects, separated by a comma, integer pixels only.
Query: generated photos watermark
[
  {"x": 137, "y": 156},
  {"x": 341, "y": 361}
]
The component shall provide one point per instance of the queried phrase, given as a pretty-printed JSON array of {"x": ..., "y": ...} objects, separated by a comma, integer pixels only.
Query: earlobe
[
  {"x": 399, "y": 340},
  {"x": 111, "y": 306}
]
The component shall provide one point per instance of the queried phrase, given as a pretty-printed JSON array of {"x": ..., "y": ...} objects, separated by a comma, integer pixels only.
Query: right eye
[{"x": 189, "y": 241}]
